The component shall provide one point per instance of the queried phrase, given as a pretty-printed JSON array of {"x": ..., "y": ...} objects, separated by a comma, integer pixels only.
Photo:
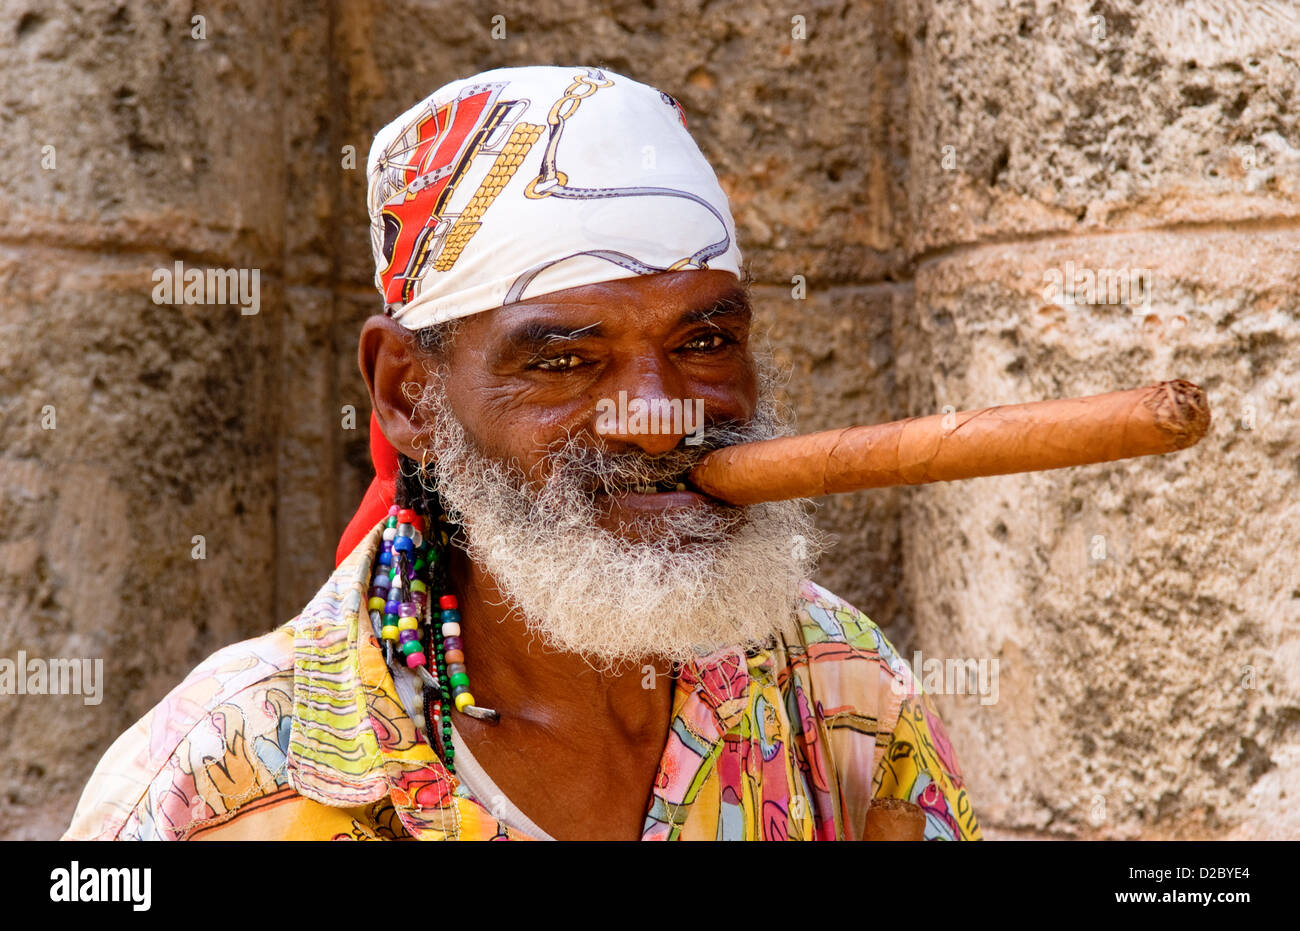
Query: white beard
[{"x": 700, "y": 578}]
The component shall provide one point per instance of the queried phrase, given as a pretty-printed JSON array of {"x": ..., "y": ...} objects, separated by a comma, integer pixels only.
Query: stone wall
[
  {"x": 1144, "y": 612},
  {"x": 920, "y": 166}
]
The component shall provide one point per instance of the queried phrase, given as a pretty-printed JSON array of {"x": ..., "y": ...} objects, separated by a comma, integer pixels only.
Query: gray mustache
[{"x": 578, "y": 463}]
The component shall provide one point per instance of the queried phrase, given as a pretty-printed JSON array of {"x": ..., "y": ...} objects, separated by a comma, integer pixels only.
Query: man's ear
[{"x": 393, "y": 369}]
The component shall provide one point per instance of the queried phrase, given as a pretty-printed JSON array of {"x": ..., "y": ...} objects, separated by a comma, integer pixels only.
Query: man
[{"x": 537, "y": 629}]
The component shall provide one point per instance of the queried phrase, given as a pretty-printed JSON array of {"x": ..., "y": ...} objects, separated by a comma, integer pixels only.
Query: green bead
[
  {"x": 390, "y": 522},
  {"x": 459, "y": 678},
  {"x": 410, "y": 646}
]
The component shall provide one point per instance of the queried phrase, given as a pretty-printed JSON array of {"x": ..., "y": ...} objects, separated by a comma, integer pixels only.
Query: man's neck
[
  {"x": 510, "y": 669},
  {"x": 575, "y": 750}
]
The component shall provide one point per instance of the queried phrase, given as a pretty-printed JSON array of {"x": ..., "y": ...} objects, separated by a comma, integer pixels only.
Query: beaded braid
[{"x": 410, "y": 566}]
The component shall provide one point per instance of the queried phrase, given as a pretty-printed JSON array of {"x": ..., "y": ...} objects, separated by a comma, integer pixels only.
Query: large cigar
[{"x": 946, "y": 447}]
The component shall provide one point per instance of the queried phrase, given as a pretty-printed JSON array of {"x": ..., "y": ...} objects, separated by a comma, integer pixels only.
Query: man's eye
[
  {"x": 562, "y": 363},
  {"x": 707, "y": 342}
]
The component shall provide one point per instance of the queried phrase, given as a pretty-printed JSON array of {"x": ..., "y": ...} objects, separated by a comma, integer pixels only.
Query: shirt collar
[{"x": 351, "y": 741}]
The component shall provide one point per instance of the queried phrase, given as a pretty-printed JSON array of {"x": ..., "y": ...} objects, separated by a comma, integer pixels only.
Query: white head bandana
[{"x": 518, "y": 182}]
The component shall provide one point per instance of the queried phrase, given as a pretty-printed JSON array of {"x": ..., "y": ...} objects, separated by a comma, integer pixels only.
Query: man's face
[
  {"x": 532, "y": 375},
  {"x": 558, "y": 505}
]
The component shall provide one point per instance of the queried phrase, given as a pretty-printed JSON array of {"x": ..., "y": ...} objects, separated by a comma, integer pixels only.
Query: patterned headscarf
[{"x": 518, "y": 182}]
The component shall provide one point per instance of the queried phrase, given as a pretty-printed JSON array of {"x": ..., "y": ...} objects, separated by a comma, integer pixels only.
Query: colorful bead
[{"x": 397, "y": 598}]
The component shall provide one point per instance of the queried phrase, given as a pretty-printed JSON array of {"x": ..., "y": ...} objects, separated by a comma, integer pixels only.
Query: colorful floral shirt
[{"x": 301, "y": 734}]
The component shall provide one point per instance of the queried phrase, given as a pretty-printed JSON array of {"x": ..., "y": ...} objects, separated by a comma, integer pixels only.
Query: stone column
[
  {"x": 137, "y": 472},
  {"x": 1141, "y": 612}
]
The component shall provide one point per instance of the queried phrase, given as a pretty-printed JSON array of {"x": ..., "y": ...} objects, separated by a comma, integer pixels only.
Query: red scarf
[{"x": 379, "y": 496}]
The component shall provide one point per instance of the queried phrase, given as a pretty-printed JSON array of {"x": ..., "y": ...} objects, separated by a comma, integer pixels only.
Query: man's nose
[{"x": 647, "y": 411}]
